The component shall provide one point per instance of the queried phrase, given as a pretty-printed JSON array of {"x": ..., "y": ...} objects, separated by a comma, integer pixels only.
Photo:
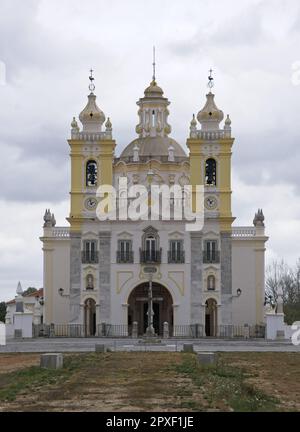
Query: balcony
[
  {"x": 150, "y": 256},
  {"x": 89, "y": 257},
  {"x": 211, "y": 257},
  {"x": 176, "y": 257},
  {"x": 124, "y": 257}
]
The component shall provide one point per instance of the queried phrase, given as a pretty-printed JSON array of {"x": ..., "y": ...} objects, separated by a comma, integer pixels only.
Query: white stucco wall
[
  {"x": 245, "y": 274},
  {"x": 57, "y": 275}
]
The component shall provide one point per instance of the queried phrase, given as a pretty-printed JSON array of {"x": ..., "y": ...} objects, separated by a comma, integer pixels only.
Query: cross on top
[
  {"x": 210, "y": 79},
  {"x": 91, "y": 78}
]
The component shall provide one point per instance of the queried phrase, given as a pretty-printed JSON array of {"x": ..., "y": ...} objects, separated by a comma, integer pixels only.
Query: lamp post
[{"x": 150, "y": 330}]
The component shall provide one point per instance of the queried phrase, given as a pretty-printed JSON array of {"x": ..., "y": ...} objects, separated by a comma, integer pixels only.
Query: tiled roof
[{"x": 38, "y": 293}]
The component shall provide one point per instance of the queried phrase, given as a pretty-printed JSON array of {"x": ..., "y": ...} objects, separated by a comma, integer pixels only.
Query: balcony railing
[
  {"x": 176, "y": 257},
  {"x": 124, "y": 257},
  {"x": 89, "y": 257},
  {"x": 149, "y": 257},
  {"x": 211, "y": 257}
]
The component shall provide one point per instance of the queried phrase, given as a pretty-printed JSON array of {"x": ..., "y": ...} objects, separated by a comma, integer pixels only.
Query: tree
[
  {"x": 281, "y": 277},
  {"x": 2, "y": 311},
  {"x": 29, "y": 290}
]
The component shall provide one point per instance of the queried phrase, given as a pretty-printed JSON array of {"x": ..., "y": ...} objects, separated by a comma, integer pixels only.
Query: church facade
[{"x": 98, "y": 273}]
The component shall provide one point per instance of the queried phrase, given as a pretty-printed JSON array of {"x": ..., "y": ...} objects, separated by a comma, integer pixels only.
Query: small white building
[{"x": 32, "y": 307}]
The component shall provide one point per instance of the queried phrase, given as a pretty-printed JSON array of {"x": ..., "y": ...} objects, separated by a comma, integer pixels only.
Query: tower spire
[
  {"x": 153, "y": 64},
  {"x": 91, "y": 78}
]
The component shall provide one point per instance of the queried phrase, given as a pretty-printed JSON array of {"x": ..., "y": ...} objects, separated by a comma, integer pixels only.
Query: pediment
[
  {"x": 150, "y": 229},
  {"x": 176, "y": 234},
  {"x": 124, "y": 234},
  {"x": 90, "y": 234},
  {"x": 210, "y": 233}
]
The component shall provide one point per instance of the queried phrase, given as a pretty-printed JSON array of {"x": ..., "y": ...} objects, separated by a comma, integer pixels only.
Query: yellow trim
[
  {"x": 196, "y": 171},
  {"x": 222, "y": 157},
  {"x": 79, "y": 191}
]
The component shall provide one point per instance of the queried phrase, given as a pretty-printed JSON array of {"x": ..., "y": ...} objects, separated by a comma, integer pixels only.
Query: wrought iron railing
[
  {"x": 192, "y": 331},
  {"x": 150, "y": 256},
  {"x": 124, "y": 257},
  {"x": 115, "y": 330},
  {"x": 176, "y": 257},
  {"x": 211, "y": 257},
  {"x": 188, "y": 331},
  {"x": 89, "y": 257}
]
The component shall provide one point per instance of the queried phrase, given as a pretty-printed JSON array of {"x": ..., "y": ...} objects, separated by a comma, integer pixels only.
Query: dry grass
[{"x": 151, "y": 381}]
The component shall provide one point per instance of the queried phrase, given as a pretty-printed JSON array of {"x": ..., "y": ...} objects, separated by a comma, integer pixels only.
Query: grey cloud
[
  {"x": 33, "y": 180},
  {"x": 268, "y": 158},
  {"x": 243, "y": 30}
]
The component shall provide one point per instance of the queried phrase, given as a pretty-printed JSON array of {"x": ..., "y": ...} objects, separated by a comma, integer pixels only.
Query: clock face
[
  {"x": 211, "y": 202},
  {"x": 91, "y": 203}
]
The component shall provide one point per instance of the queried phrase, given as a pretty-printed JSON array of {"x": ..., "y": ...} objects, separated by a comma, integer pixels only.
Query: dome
[
  {"x": 153, "y": 146},
  {"x": 210, "y": 116},
  {"x": 92, "y": 118},
  {"x": 153, "y": 90}
]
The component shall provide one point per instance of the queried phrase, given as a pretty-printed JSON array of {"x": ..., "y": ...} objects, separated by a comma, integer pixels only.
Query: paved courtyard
[{"x": 88, "y": 345}]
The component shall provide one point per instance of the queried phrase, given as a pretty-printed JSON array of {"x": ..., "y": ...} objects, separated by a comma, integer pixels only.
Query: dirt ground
[
  {"x": 12, "y": 362},
  {"x": 144, "y": 382},
  {"x": 276, "y": 374}
]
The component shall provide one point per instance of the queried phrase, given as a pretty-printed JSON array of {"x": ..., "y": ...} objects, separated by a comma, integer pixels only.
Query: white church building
[{"x": 98, "y": 274}]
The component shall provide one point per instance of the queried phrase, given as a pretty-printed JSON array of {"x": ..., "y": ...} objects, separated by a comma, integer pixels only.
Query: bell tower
[
  {"x": 210, "y": 159},
  {"x": 92, "y": 151},
  {"x": 210, "y": 165}
]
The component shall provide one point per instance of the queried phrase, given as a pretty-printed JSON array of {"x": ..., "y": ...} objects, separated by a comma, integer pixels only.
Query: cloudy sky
[{"x": 46, "y": 50}]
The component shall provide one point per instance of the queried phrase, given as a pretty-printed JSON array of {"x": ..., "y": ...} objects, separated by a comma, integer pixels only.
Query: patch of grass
[
  {"x": 225, "y": 385},
  {"x": 190, "y": 404},
  {"x": 25, "y": 380}
]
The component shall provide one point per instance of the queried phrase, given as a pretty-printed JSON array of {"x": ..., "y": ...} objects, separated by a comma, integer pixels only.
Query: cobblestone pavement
[{"x": 88, "y": 344}]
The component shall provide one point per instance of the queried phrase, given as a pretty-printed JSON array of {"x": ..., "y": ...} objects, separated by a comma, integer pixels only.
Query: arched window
[
  {"x": 150, "y": 246},
  {"x": 90, "y": 282},
  {"x": 153, "y": 119},
  {"x": 211, "y": 283},
  {"x": 211, "y": 172},
  {"x": 91, "y": 173}
]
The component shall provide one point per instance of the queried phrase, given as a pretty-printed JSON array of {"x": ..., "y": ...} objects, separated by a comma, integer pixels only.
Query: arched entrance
[
  {"x": 162, "y": 307},
  {"x": 90, "y": 317},
  {"x": 211, "y": 317}
]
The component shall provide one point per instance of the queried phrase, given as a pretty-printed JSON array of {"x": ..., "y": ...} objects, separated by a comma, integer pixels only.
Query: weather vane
[
  {"x": 153, "y": 64},
  {"x": 210, "y": 79},
  {"x": 91, "y": 78}
]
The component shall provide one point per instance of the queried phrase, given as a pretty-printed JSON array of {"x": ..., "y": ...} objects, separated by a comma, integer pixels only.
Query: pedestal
[{"x": 275, "y": 325}]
